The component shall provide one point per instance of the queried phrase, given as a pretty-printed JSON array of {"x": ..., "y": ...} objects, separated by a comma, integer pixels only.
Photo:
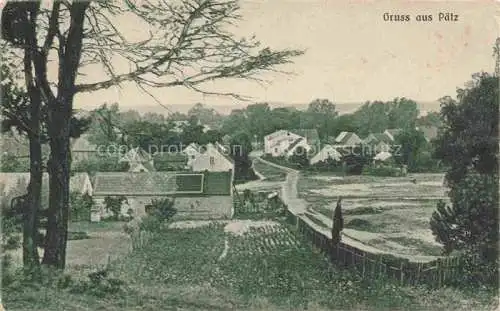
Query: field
[
  {"x": 270, "y": 172},
  {"x": 217, "y": 267},
  {"x": 390, "y": 213}
]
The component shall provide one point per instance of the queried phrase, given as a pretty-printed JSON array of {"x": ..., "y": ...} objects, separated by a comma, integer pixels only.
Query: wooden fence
[{"x": 436, "y": 273}]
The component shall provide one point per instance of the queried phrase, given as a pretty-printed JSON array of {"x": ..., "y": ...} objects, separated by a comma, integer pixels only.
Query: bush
[
  {"x": 99, "y": 284},
  {"x": 10, "y": 237},
  {"x": 80, "y": 206},
  {"x": 329, "y": 165},
  {"x": 470, "y": 225},
  {"x": 158, "y": 212},
  {"x": 114, "y": 205}
]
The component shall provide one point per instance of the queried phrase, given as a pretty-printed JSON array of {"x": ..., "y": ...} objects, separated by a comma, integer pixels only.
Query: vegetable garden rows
[{"x": 264, "y": 240}]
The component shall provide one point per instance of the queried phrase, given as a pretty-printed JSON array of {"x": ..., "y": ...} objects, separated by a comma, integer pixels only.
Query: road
[{"x": 298, "y": 207}]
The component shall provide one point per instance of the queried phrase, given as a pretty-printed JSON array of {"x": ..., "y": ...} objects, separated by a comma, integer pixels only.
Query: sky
[{"x": 352, "y": 54}]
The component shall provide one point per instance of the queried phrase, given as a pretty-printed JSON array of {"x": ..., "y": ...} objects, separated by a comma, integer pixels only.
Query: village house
[
  {"x": 191, "y": 151},
  {"x": 205, "y": 195},
  {"x": 82, "y": 149},
  {"x": 346, "y": 139},
  {"x": 311, "y": 137},
  {"x": 283, "y": 142},
  {"x": 382, "y": 157},
  {"x": 294, "y": 147},
  {"x": 378, "y": 142},
  {"x": 213, "y": 158},
  {"x": 138, "y": 160},
  {"x": 327, "y": 152}
]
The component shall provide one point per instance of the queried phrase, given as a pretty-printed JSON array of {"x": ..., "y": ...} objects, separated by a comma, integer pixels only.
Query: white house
[
  {"x": 206, "y": 195},
  {"x": 298, "y": 143},
  {"x": 379, "y": 142},
  {"x": 382, "y": 156},
  {"x": 327, "y": 152},
  {"x": 192, "y": 151},
  {"x": 278, "y": 142},
  {"x": 213, "y": 159}
]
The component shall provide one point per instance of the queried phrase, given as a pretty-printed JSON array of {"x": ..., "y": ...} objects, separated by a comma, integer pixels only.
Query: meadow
[
  {"x": 265, "y": 267},
  {"x": 390, "y": 213},
  {"x": 270, "y": 172}
]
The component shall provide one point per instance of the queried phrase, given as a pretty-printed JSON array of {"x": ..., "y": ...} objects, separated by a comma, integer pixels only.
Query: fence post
[
  {"x": 439, "y": 267},
  {"x": 364, "y": 264},
  {"x": 402, "y": 273},
  {"x": 419, "y": 268}
]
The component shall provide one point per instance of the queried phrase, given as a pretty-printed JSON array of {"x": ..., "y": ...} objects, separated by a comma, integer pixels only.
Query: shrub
[
  {"x": 10, "y": 237},
  {"x": 99, "y": 284},
  {"x": 158, "y": 212},
  {"x": 114, "y": 205},
  {"x": 469, "y": 226},
  {"x": 80, "y": 206}
]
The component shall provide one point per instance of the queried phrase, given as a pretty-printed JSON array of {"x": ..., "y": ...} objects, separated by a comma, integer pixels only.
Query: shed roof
[{"x": 162, "y": 183}]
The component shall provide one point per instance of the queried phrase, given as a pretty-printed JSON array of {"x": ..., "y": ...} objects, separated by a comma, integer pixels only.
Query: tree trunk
[
  {"x": 59, "y": 118},
  {"x": 59, "y": 175},
  {"x": 31, "y": 258}
]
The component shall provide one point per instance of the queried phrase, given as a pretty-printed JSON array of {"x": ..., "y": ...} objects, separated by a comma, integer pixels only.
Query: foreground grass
[{"x": 266, "y": 269}]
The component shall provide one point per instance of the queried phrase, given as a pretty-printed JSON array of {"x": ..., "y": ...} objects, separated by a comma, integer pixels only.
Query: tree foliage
[
  {"x": 189, "y": 45},
  {"x": 338, "y": 223},
  {"x": 240, "y": 148},
  {"x": 113, "y": 204},
  {"x": 470, "y": 129},
  {"x": 469, "y": 145},
  {"x": 408, "y": 148}
]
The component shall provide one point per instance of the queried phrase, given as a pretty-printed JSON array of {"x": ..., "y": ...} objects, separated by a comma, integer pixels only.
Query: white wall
[
  {"x": 220, "y": 164},
  {"x": 203, "y": 207},
  {"x": 280, "y": 140}
]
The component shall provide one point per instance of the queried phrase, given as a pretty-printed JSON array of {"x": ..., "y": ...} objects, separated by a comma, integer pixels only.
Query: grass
[
  {"x": 270, "y": 172},
  {"x": 418, "y": 244},
  {"x": 361, "y": 224},
  {"x": 382, "y": 205},
  {"x": 267, "y": 268},
  {"x": 77, "y": 235},
  {"x": 316, "y": 221}
]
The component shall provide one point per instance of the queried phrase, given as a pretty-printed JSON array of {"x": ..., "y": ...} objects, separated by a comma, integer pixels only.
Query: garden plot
[
  {"x": 391, "y": 214},
  {"x": 260, "y": 238}
]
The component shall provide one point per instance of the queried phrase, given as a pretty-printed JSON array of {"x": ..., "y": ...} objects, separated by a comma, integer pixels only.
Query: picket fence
[{"x": 437, "y": 273}]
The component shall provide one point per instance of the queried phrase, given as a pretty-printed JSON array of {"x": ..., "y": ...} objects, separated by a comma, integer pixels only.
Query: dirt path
[{"x": 299, "y": 207}]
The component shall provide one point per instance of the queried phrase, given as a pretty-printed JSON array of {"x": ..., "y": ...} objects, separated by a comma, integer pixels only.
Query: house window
[
  {"x": 276, "y": 150},
  {"x": 212, "y": 161},
  {"x": 192, "y": 157}
]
